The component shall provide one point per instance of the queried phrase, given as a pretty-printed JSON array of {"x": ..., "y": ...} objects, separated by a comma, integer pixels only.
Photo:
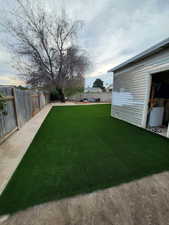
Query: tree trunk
[{"x": 62, "y": 95}]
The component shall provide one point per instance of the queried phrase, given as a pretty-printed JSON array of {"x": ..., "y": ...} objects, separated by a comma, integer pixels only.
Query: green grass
[{"x": 80, "y": 149}]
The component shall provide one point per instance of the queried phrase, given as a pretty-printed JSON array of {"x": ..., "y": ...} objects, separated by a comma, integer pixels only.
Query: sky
[{"x": 113, "y": 31}]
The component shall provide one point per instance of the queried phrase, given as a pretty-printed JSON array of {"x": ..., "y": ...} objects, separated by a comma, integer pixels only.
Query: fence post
[{"x": 15, "y": 108}]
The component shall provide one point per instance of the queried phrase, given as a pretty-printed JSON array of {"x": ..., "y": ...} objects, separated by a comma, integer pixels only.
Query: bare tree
[{"x": 44, "y": 45}]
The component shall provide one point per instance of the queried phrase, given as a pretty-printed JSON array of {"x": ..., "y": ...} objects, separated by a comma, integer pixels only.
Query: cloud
[
  {"x": 114, "y": 30},
  {"x": 124, "y": 28},
  {"x": 11, "y": 80}
]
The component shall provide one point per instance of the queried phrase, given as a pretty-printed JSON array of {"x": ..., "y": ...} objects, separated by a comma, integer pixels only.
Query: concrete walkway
[
  {"x": 14, "y": 148},
  {"x": 141, "y": 202}
]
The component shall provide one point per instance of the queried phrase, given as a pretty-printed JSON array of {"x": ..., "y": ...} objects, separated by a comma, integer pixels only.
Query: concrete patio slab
[{"x": 141, "y": 202}]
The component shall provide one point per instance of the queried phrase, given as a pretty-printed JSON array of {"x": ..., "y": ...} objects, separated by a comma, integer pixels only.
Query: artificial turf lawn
[{"x": 80, "y": 149}]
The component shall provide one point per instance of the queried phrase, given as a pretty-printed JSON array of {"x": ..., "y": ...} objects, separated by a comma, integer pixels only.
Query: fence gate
[
  {"x": 8, "y": 122},
  {"x": 21, "y": 106}
]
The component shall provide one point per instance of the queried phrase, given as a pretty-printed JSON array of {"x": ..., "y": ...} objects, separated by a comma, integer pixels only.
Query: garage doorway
[{"x": 158, "y": 106}]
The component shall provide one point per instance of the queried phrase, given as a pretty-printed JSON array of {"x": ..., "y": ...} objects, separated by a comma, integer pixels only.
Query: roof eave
[{"x": 154, "y": 49}]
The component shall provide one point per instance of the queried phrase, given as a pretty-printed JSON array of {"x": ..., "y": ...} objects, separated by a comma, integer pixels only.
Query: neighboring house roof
[
  {"x": 150, "y": 51},
  {"x": 92, "y": 90},
  {"x": 109, "y": 88}
]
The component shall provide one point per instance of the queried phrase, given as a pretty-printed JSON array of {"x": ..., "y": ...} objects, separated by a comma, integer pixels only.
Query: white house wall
[{"x": 132, "y": 86}]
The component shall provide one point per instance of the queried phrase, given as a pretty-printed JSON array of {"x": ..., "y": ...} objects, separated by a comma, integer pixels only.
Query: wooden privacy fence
[{"x": 21, "y": 106}]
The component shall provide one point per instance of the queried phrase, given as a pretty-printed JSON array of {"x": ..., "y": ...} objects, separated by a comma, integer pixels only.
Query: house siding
[{"x": 132, "y": 87}]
